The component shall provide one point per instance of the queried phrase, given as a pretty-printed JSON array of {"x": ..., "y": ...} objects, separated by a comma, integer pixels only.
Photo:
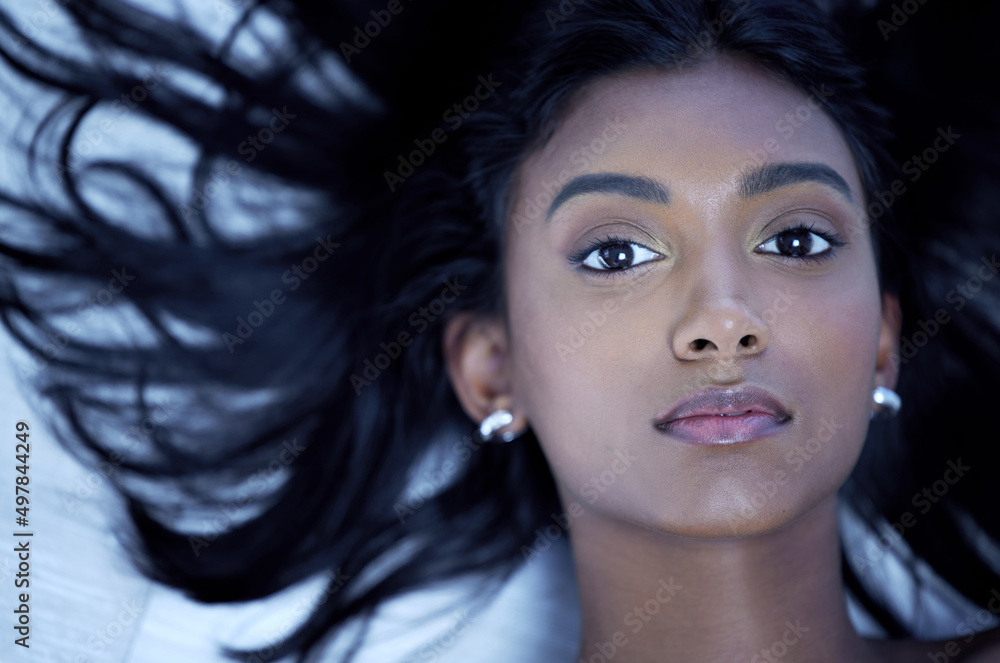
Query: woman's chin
[
  {"x": 733, "y": 519},
  {"x": 725, "y": 525}
]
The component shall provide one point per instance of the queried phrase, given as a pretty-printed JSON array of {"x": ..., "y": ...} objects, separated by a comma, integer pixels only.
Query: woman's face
[{"x": 702, "y": 283}]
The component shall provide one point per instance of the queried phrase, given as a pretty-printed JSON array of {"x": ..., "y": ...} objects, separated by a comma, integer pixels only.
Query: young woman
[{"x": 655, "y": 251}]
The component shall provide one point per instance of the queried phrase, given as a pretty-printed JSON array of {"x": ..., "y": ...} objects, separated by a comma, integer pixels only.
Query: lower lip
[{"x": 711, "y": 430}]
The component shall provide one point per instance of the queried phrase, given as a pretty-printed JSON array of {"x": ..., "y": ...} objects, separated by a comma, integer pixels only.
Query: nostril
[
  {"x": 699, "y": 344},
  {"x": 748, "y": 340}
]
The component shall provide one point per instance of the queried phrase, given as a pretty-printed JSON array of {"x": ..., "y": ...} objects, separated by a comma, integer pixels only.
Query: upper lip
[{"x": 717, "y": 401}]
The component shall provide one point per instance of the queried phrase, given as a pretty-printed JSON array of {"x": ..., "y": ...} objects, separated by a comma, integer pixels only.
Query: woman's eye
[
  {"x": 800, "y": 242},
  {"x": 618, "y": 256}
]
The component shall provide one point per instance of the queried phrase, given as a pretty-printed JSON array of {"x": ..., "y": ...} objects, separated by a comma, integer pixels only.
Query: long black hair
[{"x": 280, "y": 297}]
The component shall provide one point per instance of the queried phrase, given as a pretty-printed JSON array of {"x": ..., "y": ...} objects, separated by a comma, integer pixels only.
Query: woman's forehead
[{"x": 715, "y": 119}]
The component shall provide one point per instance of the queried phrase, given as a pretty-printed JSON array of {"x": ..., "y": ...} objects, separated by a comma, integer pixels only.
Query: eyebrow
[
  {"x": 754, "y": 182},
  {"x": 639, "y": 188},
  {"x": 773, "y": 176}
]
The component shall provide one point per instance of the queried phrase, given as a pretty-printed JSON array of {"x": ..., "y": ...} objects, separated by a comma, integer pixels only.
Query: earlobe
[
  {"x": 887, "y": 363},
  {"x": 475, "y": 355}
]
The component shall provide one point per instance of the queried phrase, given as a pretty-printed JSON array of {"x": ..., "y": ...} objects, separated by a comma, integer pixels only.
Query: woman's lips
[
  {"x": 723, "y": 428},
  {"x": 724, "y": 416}
]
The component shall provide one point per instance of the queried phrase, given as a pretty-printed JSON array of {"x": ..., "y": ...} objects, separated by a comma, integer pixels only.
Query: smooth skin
[{"x": 745, "y": 535}]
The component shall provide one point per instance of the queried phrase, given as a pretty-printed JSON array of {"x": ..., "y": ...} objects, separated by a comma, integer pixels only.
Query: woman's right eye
[{"x": 615, "y": 255}]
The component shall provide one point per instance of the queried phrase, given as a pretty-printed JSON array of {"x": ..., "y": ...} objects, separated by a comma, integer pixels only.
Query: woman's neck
[{"x": 648, "y": 596}]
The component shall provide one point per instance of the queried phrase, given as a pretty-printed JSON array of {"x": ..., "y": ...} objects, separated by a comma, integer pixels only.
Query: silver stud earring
[
  {"x": 888, "y": 399},
  {"x": 495, "y": 421}
]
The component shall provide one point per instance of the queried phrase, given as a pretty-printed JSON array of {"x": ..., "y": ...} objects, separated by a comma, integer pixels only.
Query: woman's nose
[{"x": 721, "y": 329}]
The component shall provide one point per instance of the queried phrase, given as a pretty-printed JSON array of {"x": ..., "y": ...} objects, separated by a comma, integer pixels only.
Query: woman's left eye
[
  {"x": 615, "y": 255},
  {"x": 802, "y": 242}
]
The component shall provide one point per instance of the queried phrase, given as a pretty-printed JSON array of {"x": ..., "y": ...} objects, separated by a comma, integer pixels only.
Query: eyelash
[
  {"x": 578, "y": 257},
  {"x": 832, "y": 238}
]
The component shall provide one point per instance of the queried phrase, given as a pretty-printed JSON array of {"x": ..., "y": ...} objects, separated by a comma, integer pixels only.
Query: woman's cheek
[
  {"x": 835, "y": 357},
  {"x": 583, "y": 401}
]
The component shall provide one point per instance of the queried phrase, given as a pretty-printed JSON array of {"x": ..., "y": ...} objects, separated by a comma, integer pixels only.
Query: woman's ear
[
  {"x": 887, "y": 364},
  {"x": 475, "y": 354}
]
